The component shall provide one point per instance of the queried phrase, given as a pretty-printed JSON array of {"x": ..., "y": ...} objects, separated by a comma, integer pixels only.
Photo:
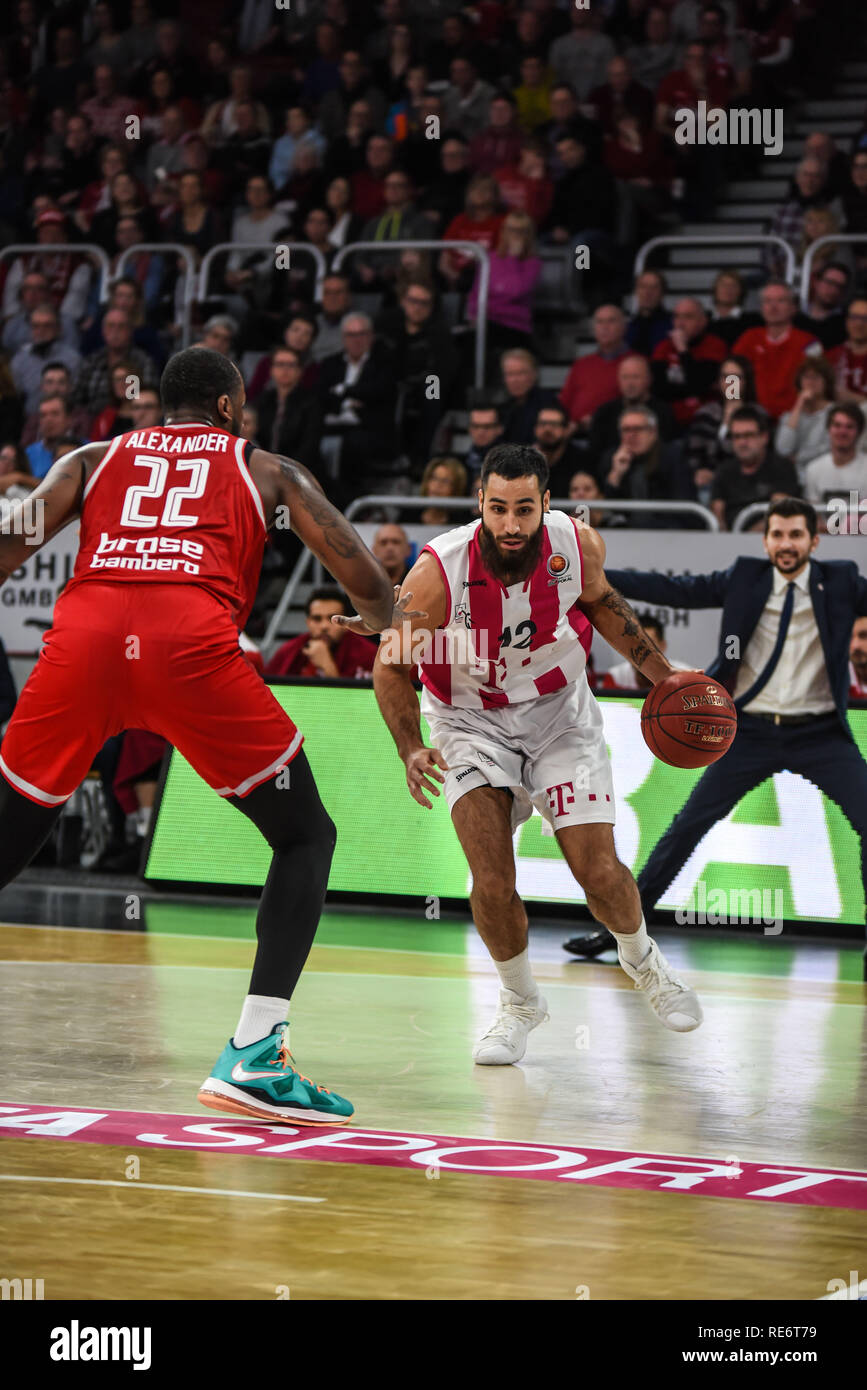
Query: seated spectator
[
  {"x": 420, "y": 345},
  {"x": 299, "y": 130},
  {"x": 592, "y": 379},
  {"x": 79, "y": 162},
  {"x": 392, "y": 549},
  {"x": 850, "y": 360},
  {"x": 685, "y": 364},
  {"x": 524, "y": 396},
  {"x": 755, "y": 474},
  {"x": 398, "y": 221},
  {"x": 128, "y": 199},
  {"x": 325, "y": 648},
  {"x": 116, "y": 416},
  {"x": 445, "y": 196},
  {"x": 195, "y": 224},
  {"x": 809, "y": 189},
  {"x": 625, "y": 676},
  {"x": 802, "y": 433},
  {"x": 219, "y": 334},
  {"x": 499, "y": 143},
  {"x": 581, "y": 57},
  {"x": 53, "y": 427},
  {"x": 298, "y": 333},
  {"x": 635, "y": 387},
  {"x": 568, "y": 119},
  {"x": 33, "y": 290},
  {"x": 485, "y": 430},
  {"x": 95, "y": 197},
  {"x": 289, "y": 418},
  {"x": 246, "y": 151},
  {"x": 108, "y": 110},
  {"x": 336, "y": 302},
  {"x": 455, "y": 41},
  {"x": 842, "y": 471},
  {"x": 357, "y": 391},
  {"x": 584, "y": 208},
  {"x": 620, "y": 96},
  {"x": 56, "y": 380},
  {"x": 166, "y": 155},
  {"x": 728, "y": 52},
  {"x": 651, "y": 321},
  {"x": 250, "y": 423},
  {"x": 16, "y": 475},
  {"x": 858, "y": 661},
  {"x": 68, "y": 274},
  {"x": 562, "y": 455},
  {"x": 533, "y": 93},
  {"x": 708, "y": 441},
  {"x": 146, "y": 409},
  {"x": 128, "y": 295},
  {"x": 354, "y": 85},
  {"x": 854, "y": 197},
  {"x": 825, "y": 317},
  {"x": 226, "y": 119},
  {"x": 345, "y": 155},
  {"x": 368, "y": 185},
  {"x": 640, "y": 162},
  {"x": 776, "y": 348},
  {"x": 347, "y": 224},
  {"x": 656, "y": 56},
  {"x": 480, "y": 222},
  {"x": 514, "y": 274},
  {"x": 443, "y": 477},
  {"x": 700, "y": 166},
  {"x": 44, "y": 346},
  {"x": 643, "y": 468},
  {"x": 728, "y": 318},
  {"x": 93, "y": 389},
  {"x": 584, "y": 488},
  {"x": 525, "y": 186},
  {"x": 247, "y": 273},
  {"x": 466, "y": 100}
]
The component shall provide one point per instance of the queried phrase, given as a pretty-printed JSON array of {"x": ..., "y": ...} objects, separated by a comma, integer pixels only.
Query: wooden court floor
[{"x": 131, "y": 1021}]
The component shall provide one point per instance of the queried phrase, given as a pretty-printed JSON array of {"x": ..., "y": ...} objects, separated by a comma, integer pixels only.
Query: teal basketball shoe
[{"x": 262, "y": 1081}]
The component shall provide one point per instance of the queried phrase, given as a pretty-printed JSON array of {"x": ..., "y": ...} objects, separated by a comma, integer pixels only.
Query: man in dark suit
[
  {"x": 289, "y": 419},
  {"x": 784, "y": 657},
  {"x": 358, "y": 394}
]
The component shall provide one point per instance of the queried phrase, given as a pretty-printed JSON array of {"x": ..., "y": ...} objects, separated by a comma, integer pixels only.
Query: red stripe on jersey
[
  {"x": 426, "y": 548},
  {"x": 578, "y": 621},
  {"x": 437, "y": 675},
  {"x": 484, "y": 602},
  {"x": 550, "y": 681},
  {"x": 544, "y": 599}
]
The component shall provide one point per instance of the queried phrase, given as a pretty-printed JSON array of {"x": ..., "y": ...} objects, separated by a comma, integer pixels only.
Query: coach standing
[{"x": 784, "y": 657}]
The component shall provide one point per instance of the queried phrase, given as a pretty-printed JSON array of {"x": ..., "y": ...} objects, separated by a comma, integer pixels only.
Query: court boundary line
[{"x": 132, "y": 1183}]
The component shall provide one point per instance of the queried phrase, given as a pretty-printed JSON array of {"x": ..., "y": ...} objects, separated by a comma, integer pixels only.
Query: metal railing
[
  {"x": 307, "y": 560},
  {"x": 760, "y": 239},
  {"x": 222, "y": 248},
  {"x": 468, "y": 248},
  {"x": 83, "y": 248},
  {"x": 756, "y": 511},
  {"x": 816, "y": 246},
  {"x": 168, "y": 248}
]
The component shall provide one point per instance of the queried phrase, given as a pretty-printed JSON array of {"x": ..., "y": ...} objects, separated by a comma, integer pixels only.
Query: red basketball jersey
[{"x": 175, "y": 504}]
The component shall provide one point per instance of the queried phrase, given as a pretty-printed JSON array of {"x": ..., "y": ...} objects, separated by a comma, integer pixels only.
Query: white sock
[
  {"x": 633, "y": 946},
  {"x": 515, "y": 975},
  {"x": 259, "y": 1016}
]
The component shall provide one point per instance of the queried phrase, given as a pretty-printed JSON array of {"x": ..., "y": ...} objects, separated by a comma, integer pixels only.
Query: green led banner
[{"x": 784, "y": 840}]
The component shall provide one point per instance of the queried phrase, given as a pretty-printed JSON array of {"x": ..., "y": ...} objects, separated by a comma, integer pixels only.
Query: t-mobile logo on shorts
[{"x": 562, "y": 796}]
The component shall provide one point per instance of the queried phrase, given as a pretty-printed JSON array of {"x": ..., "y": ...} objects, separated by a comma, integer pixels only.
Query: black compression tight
[
  {"x": 296, "y": 826},
  {"x": 302, "y": 835}
]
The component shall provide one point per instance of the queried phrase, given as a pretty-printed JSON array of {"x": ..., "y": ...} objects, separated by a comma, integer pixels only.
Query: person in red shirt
[
  {"x": 685, "y": 364},
  {"x": 500, "y": 142},
  {"x": 325, "y": 649},
  {"x": 525, "y": 186},
  {"x": 480, "y": 221},
  {"x": 777, "y": 349},
  {"x": 592, "y": 380},
  {"x": 699, "y": 165},
  {"x": 850, "y": 359},
  {"x": 858, "y": 661}
]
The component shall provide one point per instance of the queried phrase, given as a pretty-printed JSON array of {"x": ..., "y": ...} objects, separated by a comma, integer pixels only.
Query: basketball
[{"x": 688, "y": 720}]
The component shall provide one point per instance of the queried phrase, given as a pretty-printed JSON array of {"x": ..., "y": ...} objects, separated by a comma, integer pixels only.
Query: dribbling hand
[{"x": 420, "y": 767}]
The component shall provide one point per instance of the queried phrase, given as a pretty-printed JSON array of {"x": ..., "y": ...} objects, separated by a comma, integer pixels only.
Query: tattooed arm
[
  {"x": 293, "y": 497},
  {"x": 612, "y": 616},
  {"x": 25, "y": 526}
]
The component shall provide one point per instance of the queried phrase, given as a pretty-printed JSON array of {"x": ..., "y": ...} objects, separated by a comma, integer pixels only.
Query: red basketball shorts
[{"x": 144, "y": 656}]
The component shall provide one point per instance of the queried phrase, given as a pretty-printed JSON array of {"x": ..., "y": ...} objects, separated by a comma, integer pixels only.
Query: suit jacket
[
  {"x": 838, "y": 591},
  {"x": 301, "y": 427},
  {"x": 376, "y": 389}
]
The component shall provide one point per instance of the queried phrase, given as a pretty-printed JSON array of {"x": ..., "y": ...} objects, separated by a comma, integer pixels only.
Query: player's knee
[
  {"x": 493, "y": 892},
  {"x": 600, "y": 877}
]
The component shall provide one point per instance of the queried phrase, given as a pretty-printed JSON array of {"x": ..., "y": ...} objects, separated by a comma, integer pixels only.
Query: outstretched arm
[
  {"x": 676, "y": 591},
  {"x": 612, "y": 616},
  {"x": 324, "y": 530},
  {"x": 27, "y": 525}
]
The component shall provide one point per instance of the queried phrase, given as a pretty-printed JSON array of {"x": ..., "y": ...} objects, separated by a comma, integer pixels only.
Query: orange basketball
[{"x": 688, "y": 720}]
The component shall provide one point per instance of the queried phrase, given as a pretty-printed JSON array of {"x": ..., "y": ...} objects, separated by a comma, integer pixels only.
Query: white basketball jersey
[{"x": 505, "y": 644}]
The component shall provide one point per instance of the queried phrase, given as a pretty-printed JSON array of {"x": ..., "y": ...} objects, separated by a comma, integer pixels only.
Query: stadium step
[
  {"x": 756, "y": 190},
  {"x": 836, "y": 108},
  {"x": 714, "y": 256},
  {"x": 841, "y": 130}
]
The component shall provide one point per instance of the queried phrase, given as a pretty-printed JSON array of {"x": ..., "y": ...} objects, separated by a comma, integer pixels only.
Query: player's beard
[{"x": 511, "y": 568}]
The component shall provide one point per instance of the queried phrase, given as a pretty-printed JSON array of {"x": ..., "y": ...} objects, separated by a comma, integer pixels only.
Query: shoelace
[
  {"x": 285, "y": 1059},
  {"x": 654, "y": 977},
  {"x": 526, "y": 1012}
]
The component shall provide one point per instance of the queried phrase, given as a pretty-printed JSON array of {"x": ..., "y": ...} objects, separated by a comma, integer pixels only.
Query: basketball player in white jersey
[{"x": 515, "y": 597}]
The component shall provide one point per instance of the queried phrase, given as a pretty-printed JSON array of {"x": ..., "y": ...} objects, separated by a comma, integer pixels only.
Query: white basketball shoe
[
  {"x": 506, "y": 1039},
  {"x": 673, "y": 1002}
]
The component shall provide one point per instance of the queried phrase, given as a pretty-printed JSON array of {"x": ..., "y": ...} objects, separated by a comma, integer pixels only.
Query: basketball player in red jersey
[
  {"x": 145, "y": 635},
  {"x": 515, "y": 725}
]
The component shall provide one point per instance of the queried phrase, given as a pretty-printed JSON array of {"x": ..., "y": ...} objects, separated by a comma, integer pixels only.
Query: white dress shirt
[{"x": 799, "y": 684}]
